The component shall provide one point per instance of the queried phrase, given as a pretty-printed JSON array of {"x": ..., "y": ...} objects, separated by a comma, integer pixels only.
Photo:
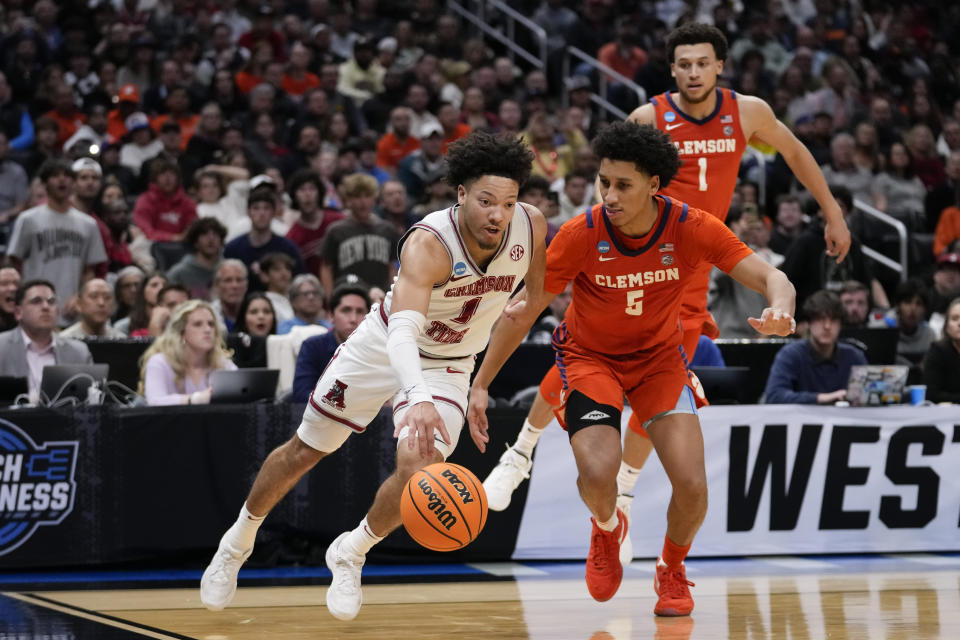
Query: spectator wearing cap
[
  {"x": 127, "y": 103},
  {"x": 307, "y": 233},
  {"x": 164, "y": 211},
  {"x": 14, "y": 186},
  {"x": 398, "y": 142},
  {"x": 297, "y": 79},
  {"x": 361, "y": 76},
  {"x": 196, "y": 270},
  {"x": 263, "y": 31},
  {"x": 362, "y": 244},
  {"x": 88, "y": 180},
  {"x": 424, "y": 165},
  {"x": 178, "y": 111},
  {"x": 54, "y": 240},
  {"x": 260, "y": 240},
  {"x": 65, "y": 112},
  {"x": 141, "y": 144},
  {"x": 946, "y": 287}
]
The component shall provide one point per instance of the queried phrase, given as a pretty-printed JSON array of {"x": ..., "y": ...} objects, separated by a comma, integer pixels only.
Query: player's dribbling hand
[
  {"x": 477, "y": 418},
  {"x": 424, "y": 420},
  {"x": 837, "y": 237},
  {"x": 774, "y": 322}
]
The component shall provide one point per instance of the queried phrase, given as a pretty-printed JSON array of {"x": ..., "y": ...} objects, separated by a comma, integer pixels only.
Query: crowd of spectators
[{"x": 260, "y": 155}]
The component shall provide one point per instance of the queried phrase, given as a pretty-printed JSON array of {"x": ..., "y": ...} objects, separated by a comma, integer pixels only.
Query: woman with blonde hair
[{"x": 176, "y": 368}]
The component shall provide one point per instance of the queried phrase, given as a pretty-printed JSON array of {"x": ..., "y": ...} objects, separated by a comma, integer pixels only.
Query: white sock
[
  {"x": 627, "y": 478},
  {"x": 610, "y": 524},
  {"x": 527, "y": 439},
  {"x": 243, "y": 533},
  {"x": 360, "y": 540}
]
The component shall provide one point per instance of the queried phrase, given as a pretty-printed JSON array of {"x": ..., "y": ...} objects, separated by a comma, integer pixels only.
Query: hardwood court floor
[{"x": 904, "y": 597}]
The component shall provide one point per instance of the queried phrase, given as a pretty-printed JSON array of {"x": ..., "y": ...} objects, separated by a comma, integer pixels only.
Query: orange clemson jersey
[{"x": 627, "y": 291}]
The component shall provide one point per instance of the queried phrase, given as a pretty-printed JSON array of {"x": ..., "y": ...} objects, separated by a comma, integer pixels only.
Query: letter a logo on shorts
[{"x": 334, "y": 397}]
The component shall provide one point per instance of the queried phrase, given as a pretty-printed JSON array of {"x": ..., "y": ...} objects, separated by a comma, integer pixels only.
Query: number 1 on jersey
[{"x": 702, "y": 162}]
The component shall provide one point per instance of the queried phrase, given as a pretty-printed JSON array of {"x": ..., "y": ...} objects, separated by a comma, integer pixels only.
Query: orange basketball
[{"x": 443, "y": 507}]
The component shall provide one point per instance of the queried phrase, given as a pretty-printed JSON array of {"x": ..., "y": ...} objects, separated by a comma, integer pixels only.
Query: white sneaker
[
  {"x": 219, "y": 582},
  {"x": 512, "y": 469},
  {"x": 344, "y": 596},
  {"x": 624, "y": 500}
]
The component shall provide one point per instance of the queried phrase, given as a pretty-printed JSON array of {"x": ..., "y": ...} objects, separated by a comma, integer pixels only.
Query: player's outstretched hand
[
  {"x": 477, "y": 417},
  {"x": 837, "y": 237},
  {"x": 774, "y": 322},
  {"x": 424, "y": 421}
]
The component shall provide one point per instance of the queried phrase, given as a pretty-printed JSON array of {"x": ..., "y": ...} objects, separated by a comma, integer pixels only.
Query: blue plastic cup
[{"x": 918, "y": 393}]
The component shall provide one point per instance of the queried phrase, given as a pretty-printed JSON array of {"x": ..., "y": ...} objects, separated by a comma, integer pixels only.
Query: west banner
[{"x": 783, "y": 479}]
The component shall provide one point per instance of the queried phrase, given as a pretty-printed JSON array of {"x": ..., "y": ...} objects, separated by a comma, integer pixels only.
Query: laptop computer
[
  {"x": 874, "y": 384},
  {"x": 243, "y": 385},
  {"x": 725, "y": 385},
  {"x": 61, "y": 381}
]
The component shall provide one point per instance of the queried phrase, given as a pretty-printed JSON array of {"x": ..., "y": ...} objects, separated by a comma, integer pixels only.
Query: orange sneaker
[
  {"x": 672, "y": 587},
  {"x": 604, "y": 571}
]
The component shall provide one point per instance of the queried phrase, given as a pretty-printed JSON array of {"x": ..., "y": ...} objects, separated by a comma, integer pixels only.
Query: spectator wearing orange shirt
[
  {"x": 65, "y": 113},
  {"x": 453, "y": 129},
  {"x": 947, "y": 235},
  {"x": 622, "y": 55},
  {"x": 178, "y": 105},
  {"x": 297, "y": 80},
  {"x": 128, "y": 102},
  {"x": 397, "y": 143}
]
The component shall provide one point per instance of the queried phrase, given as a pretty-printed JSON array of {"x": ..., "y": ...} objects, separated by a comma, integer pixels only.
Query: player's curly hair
[
  {"x": 697, "y": 33},
  {"x": 648, "y": 148},
  {"x": 484, "y": 154}
]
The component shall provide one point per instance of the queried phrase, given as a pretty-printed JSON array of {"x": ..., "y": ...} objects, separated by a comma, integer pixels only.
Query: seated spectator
[
  {"x": 424, "y": 165},
  {"x": 910, "y": 315},
  {"x": 730, "y": 302},
  {"x": 350, "y": 303},
  {"x": 9, "y": 283},
  {"x": 222, "y": 194},
  {"x": 398, "y": 142},
  {"x": 361, "y": 244},
  {"x": 843, "y": 172},
  {"x": 261, "y": 240},
  {"x": 438, "y": 195},
  {"x": 946, "y": 287},
  {"x": 942, "y": 361},
  {"x": 125, "y": 290},
  {"x": 96, "y": 306},
  {"x": 947, "y": 235},
  {"x": 361, "y": 76},
  {"x": 787, "y": 225},
  {"x": 141, "y": 145},
  {"x": 395, "y": 207},
  {"x": 549, "y": 160},
  {"x": 54, "y": 240},
  {"x": 195, "y": 271},
  {"x": 118, "y": 234},
  {"x": 307, "y": 233},
  {"x": 230, "y": 284},
  {"x": 176, "y": 368},
  {"x": 139, "y": 317},
  {"x": 573, "y": 198},
  {"x": 810, "y": 269},
  {"x": 33, "y": 345},
  {"x": 307, "y": 299},
  {"x": 707, "y": 354},
  {"x": 164, "y": 211},
  {"x": 855, "y": 297},
  {"x": 276, "y": 272},
  {"x": 169, "y": 298},
  {"x": 898, "y": 191},
  {"x": 256, "y": 321},
  {"x": 13, "y": 185},
  {"x": 815, "y": 370}
]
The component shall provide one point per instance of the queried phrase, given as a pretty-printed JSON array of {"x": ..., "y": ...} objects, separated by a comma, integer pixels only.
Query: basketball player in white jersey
[{"x": 458, "y": 268}]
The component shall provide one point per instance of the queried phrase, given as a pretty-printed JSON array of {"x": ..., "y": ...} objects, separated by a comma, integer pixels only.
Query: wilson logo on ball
[
  {"x": 436, "y": 504},
  {"x": 443, "y": 506}
]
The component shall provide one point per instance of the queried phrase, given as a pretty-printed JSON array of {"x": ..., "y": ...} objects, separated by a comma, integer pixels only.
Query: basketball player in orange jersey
[
  {"x": 458, "y": 268},
  {"x": 629, "y": 260},
  {"x": 710, "y": 127}
]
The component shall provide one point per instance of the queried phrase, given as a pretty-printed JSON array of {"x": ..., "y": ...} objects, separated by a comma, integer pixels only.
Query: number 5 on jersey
[{"x": 634, "y": 302}]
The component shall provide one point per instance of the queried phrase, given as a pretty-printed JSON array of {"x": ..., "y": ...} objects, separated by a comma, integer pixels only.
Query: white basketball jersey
[{"x": 464, "y": 307}]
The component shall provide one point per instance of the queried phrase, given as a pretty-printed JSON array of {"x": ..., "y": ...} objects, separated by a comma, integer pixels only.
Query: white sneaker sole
[{"x": 331, "y": 560}]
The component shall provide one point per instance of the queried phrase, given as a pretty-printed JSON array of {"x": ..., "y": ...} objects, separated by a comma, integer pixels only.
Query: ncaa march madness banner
[
  {"x": 37, "y": 484},
  {"x": 783, "y": 479}
]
